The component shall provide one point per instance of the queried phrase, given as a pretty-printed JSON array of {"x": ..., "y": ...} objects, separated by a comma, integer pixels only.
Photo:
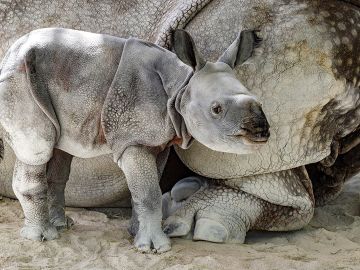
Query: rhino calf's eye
[{"x": 216, "y": 109}]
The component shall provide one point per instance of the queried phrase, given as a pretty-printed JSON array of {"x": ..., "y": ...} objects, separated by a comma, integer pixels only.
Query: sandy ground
[{"x": 331, "y": 241}]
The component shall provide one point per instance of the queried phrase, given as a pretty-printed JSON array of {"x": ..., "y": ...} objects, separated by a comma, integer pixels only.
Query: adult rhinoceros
[{"x": 306, "y": 73}]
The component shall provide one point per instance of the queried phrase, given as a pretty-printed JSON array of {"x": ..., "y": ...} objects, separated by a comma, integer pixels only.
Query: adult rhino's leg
[
  {"x": 329, "y": 175},
  {"x": 215, "y": 213},
  {"x": 223, "y": 211},
  {"x": 328, "y": 181},
  {"x": 58, "y": 171}
]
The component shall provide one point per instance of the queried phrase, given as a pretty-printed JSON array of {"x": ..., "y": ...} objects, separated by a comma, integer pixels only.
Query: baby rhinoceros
[{"x": 66, "y": 93}]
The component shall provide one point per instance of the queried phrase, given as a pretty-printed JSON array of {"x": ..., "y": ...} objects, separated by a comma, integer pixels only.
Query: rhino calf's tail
[{"x": 1, "y": 148}]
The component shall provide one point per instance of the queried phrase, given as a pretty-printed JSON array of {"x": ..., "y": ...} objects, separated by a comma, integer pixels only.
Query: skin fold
[
  {"x": 305, "y": 73},
  {"x": 69, "y": 93}
]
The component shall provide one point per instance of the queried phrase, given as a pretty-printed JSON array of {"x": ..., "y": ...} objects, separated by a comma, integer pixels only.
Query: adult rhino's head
[{"x": 217, "y": 108}]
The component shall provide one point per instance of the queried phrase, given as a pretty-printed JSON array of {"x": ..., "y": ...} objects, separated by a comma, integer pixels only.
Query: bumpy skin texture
[
  {"x": 219, "y": 211},
  {"x": 307, "y": 79},
  {"x": 306, "y": 114},
  {"x": 57, "y": 173},
  {"x": 53, "y": 97},
  {"x": 313, "y": 114},
  {"x": 29, "y": 185},
  {"x": 71, "y": 92}
]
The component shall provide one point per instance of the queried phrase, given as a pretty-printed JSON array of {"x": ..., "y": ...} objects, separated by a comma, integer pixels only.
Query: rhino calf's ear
[
  {"x": 184, "y": 47},
  {"x": 241, "y": 49}
]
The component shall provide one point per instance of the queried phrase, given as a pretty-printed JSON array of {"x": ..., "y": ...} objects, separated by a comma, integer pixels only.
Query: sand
[{"x": 331, "y": 241}]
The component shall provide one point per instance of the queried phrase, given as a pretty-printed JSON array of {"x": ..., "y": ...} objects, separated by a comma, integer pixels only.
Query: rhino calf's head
[{"x": 217, "y": 109}]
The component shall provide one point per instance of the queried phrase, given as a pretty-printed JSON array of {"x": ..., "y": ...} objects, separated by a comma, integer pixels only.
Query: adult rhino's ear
[
  {"x": 241, "y": 49},
  {"x": 185, "y": 49}
]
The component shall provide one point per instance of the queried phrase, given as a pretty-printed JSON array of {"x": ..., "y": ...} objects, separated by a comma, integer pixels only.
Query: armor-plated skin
[
  {"x": 67, "y": 93},
  {"x": 307, "y": 79}
]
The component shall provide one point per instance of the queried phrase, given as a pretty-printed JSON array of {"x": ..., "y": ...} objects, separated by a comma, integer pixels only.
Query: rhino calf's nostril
[{"x": 265, "y": 133}]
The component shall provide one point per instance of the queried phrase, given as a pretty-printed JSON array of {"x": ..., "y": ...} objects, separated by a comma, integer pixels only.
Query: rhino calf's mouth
[{"x": 259, "y": 137}]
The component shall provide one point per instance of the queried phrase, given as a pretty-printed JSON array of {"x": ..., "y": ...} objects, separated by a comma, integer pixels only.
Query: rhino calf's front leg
[{"x": 140, "y": 169}]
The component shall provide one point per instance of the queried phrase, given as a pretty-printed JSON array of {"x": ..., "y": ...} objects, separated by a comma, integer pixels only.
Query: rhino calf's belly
[{"x": 77, "y": 149}]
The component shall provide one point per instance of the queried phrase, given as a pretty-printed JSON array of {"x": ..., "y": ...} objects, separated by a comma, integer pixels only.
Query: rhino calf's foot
[
  {"x": 62, "y": 222},
  {"x": 39, "y": 233},
  {"x": 150, "y": 238}
]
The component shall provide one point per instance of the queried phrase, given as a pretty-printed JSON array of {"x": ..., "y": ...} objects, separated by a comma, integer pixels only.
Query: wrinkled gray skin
[
  {"x": 67, "y": 93},
  {"x": 306, "y": 75}
]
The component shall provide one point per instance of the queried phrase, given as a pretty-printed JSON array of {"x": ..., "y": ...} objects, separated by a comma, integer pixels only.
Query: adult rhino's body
[{"x": 307, "y": 77}]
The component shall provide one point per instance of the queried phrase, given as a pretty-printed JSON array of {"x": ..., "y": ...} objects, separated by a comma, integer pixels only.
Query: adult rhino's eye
[{"x": 216, "y": 109}]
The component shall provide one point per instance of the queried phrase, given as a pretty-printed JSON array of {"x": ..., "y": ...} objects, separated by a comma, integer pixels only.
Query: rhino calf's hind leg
[
  {"x": 30, "y": 187},
  {"x": 58, "y": 171}
]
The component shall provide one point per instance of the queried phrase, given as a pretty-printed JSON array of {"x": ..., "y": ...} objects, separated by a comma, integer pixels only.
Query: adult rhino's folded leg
[
  {"x": 58, "y": 171},
  {"x": 288, "y": 199},
  {"x": 223, "y": 211},
  {"x": 329, "y": 181},
  {"x": 30, "y": 187},
  {"x": 215, "y": 213}
]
